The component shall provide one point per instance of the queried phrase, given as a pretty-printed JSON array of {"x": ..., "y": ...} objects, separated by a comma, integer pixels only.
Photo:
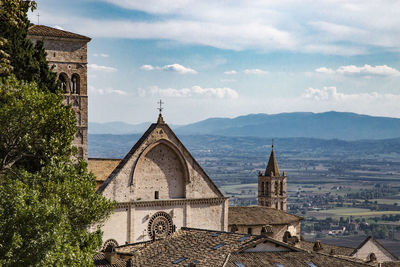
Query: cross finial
[
  {"x": 272, "y": 143},
  {"x": 160, "y": 108},
  {"x": 38, "y": 16}
]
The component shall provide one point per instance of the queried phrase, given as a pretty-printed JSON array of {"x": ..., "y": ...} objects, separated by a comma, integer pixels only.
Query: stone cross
[{"x": 160, "y": 108}]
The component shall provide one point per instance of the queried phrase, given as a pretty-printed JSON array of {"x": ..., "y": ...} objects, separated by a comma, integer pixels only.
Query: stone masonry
[{"x": 67, "y": 55}]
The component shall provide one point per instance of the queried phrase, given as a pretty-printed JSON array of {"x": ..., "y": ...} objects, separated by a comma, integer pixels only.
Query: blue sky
[{"x": 229, "y": 58}]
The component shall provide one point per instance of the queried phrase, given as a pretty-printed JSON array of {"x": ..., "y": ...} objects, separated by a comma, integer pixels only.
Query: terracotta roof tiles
[{"x": 41, "y": 30}]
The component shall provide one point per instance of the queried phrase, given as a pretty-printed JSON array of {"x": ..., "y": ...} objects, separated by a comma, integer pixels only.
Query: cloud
[
  {"x": 106, "y": 91},
  {"x": 328, "y": 27},
  {"x": 172, "y": 68},
  {"x": 255, "y": 71},
  {"x": 368, "y": 70},
  {"x": 330, "y": 94},
  {"x": 96, "y": 67},
  {"x": 230, "y": 72},
  {"x": 101, "y": 55},
  {"x": 192, "y": 92}
]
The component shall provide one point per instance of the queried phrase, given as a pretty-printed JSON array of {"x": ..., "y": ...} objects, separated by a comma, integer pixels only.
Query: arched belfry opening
[
  {"x": 160, "y": 173},
  {"x": 63, "y": 78},
  {"x": 76, "y": 84}
]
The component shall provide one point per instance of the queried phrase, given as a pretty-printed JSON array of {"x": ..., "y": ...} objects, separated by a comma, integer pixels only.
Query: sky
[{"x": 209, "y": 58}]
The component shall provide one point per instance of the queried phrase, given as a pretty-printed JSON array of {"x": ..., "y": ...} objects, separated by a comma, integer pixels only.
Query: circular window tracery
[{"x": 160, "y": 225}]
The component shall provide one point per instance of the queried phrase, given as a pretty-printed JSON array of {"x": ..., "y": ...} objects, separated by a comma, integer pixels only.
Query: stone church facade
[
  {"x": 67, "y": 55},
  {"x": 159, "y": 187}
]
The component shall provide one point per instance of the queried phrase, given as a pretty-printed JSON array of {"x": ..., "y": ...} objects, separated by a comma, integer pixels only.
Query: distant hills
[{"x": 327, "y": 125}]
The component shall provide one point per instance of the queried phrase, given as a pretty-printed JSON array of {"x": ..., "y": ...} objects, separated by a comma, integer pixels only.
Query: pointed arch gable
[{"x": 170, "y": 145}]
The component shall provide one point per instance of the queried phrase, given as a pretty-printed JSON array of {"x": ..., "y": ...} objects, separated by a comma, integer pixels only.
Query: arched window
[
  {"x": 281, "y": 187},
  {"x": 267, "y": 188},
  {"x": 262, "y": 189},
  {"x": 76, "y": 82},
  {"x": 63, "y": 82}
]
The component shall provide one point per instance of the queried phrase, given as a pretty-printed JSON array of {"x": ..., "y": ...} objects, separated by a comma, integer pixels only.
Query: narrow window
[
  {"x": 276, "y": 205},
  {"x": 63, "y": 82},
  {"x": 262, "y": 189},
  {"x": 281, "y": 188},
  {"x": 282, "y": 205},
  {"x": 156, "y": 196},
  {"x": 267, "y": 188},
  {"x": 75, "y": 88},
  {"x": 249, "y": 230}
]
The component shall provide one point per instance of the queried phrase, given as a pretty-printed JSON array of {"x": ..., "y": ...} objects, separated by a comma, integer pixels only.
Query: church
[{"x": 169, "y": 212}]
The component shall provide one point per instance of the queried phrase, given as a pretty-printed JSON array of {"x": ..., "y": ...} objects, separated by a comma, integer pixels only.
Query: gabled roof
[
  {"x": 153, "y": 126},
  {"x": 272, "y": 166},
  {"x": 191, "y": 245},
  {"x": 259, "y": 215},
  {"x": 46, "y": 31},
  {"x": 327, "y": 248},
  {"x": 288, "y": 259},
  {"x": 378, "y": 244}
]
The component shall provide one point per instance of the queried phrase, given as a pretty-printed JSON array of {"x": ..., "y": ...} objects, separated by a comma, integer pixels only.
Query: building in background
[{"x": 272, "y": 185}]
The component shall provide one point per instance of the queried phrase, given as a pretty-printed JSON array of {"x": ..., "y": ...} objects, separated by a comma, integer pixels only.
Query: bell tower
[{"x": 272, "y": 185}]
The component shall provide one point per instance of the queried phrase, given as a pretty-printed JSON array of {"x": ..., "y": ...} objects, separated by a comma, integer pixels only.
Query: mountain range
[{"x": 327, "y": 125}]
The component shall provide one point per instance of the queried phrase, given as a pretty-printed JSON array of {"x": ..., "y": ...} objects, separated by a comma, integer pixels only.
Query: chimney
[
  {"x": 110, "y": 255},
  {"x": 317, "y": 246}
]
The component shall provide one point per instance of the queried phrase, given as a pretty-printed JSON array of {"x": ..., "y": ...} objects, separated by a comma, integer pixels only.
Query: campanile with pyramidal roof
[{"x": 272, "y": 185}]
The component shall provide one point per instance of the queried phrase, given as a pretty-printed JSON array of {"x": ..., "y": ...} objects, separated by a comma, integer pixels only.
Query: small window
[
  {"x": 218, "y": 246},
  {"x": 311, "y": 264},
  {"x": 262, "y": 189},
  {"x": 249, "y": 230},
  {"x": 75, "y": 88},
  {"x": 282, "y": 205},
  {"x": 276, "y": 205},
  {"x": 239, "y": 264},
  {"x": 179, "y": 260},
  {"x": 156, "y": 196}
]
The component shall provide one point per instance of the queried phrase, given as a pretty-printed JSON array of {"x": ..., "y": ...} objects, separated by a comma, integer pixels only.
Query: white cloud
[
  {"x": 106, "y": 91},
  {"x": 230, "y": 72},
  {"x": 173, "y": 68},
  {"x": 369, "y": 70},
  {"x": 147, "y": 67},
  {"x": 193, "y": 92},
  {"x": 324, "y": 70},
  {"x": 96, "y": 67},
  {"x": 329, "y": 27},
  {"x": 330, "y": 94},
  {"x": 255, "y": 71},
  {"x": 101, "y": 55}
]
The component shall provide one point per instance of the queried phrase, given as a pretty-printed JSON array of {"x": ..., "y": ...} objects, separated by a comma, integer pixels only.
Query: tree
[
  {"x": 18, "y": 55},
  {"x": 47, "y": 199}
]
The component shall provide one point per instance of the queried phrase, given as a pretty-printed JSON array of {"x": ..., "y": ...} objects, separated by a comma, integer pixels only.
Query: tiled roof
[
  {"x": 272, "y": 165},
  {"x": 288, "y": 259},
  {"x": 100, "y": 261},
  {"x": 41, "y": 30},
  {"x": 370, "y": 238},
  {"x": 188, "y": 245},
  {"x": 102, "y": 168},
  {"x": 258, "y": 215},
  {"x": 215, "y": 248},
  {"x": 327, "y": 248}
]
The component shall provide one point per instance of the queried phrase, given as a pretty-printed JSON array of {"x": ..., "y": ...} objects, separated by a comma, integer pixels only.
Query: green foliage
[
  {"x": 18, "y": 55},
  {"x": 35, "y": 126},
  {"x": 47, "y": 200},
  {"x": 44, "y": 216}
]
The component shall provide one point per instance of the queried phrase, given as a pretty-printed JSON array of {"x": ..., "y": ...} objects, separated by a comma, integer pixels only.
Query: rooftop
[
  {"x": 258, "y": 215},
  {"x": 41, "y": 30}
]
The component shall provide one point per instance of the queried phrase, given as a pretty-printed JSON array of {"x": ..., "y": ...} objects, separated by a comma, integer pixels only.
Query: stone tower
[
  {"x": 272, "y": 185},
  {"x": 67, "y": 54}
]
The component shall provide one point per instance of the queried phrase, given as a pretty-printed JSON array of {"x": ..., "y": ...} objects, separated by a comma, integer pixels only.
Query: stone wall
[{"x": 68, "y": 58}]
